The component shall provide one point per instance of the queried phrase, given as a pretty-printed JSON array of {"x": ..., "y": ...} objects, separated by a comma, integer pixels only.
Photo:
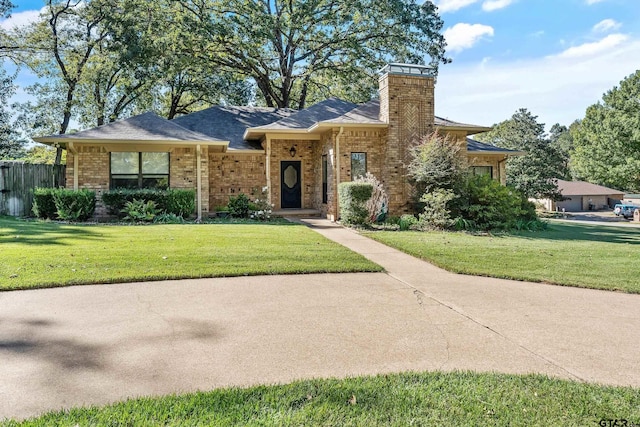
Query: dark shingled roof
[
  {"x": 229, "y": 123},
  {"x": 581, "y": 188},
  {"x": 367, "y": 113},
  {"x": 477, "y": 146},
  {"x": 304, "y": 119},
  {"x": 144, "y": 127},
  {"x": 439, "y": 121}
]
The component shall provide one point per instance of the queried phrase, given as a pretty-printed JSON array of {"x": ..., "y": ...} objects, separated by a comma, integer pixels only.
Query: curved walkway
[{"x": 98, "y": 344}]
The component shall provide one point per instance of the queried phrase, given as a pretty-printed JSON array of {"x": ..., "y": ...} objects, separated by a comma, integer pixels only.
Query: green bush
[
  {"x": 43, "y": 204},
  {"x": 260, "y": 208},
  {"x": 74, "y": 205},
  {"x": 179, "y": 202},
  {"x": 407, "y": 221},
  {"x": 115, "y": 200},
  {"x": 485, "y": 204},
  {"x": 239, "y": 206},
  {"x": 435, "y": 214},
  {"x": 165, "y": 218},
  {"x": 139, "y": 210},
  {"x": 353, "y": 198}
]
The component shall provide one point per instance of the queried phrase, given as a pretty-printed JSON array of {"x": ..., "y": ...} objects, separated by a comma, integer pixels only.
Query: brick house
[{"x": 300, "y": 156}]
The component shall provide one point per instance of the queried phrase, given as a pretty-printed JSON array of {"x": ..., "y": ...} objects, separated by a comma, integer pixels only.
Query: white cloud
[
  {"x": 590, "y": 2},
  {"x": 20, "y": 18},
  {"x": 491, "y": 5},
  {"x": 593, "y": 48},
  {"x": 606, "y": 25},
  {"x": 463, "y": 36},
  {"x": 556, "y": 90},
  {"x": 453, "y": 5}
]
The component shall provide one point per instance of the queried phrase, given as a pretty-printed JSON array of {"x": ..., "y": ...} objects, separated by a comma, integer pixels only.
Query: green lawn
[
  {"x": 421, "y": 399},
  {"x": 590, "y": 256},
  {"x": 43, "y": 254}
]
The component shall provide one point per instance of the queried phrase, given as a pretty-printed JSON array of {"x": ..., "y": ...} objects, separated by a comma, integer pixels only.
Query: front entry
[{"x": 290, "y": 185}]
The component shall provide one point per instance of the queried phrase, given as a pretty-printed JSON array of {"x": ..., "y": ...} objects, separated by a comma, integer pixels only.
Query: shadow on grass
[
  {"x": 584, "y": 232},
  {"x": 35, "y": 232}
]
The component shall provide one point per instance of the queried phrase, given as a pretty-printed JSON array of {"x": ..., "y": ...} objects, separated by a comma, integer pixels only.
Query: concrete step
[{"x": 298, "y": 213}]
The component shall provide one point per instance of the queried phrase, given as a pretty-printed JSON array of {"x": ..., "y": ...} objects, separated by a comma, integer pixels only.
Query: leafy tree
[
  {"x": 534, "y": 174},
  {"x": 151, "y": 41},
  {"x": 7, "y": 45},
  {"x": 436, "y": 162},
  {"x": 607, "y": 141},
  {"x": 295, "y": 50},
  {"x": 42, "y": 154},
  {"x": 561, "y": 140},
  {"x": 60, "y": 45},
  {"x": 11, "y": 146}
]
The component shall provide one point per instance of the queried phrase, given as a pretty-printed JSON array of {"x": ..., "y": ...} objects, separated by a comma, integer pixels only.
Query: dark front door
[{"x": 290, "y": 185}]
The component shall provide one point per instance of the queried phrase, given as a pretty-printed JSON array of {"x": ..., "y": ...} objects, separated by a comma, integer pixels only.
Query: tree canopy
[
  {"x": 102, "y": 60},
  {"x": 534, "y": 174},
  {"x": 11, "y": 146},
  {"x": 304, "y": 50},
  {"x": 607, "y": 141}
]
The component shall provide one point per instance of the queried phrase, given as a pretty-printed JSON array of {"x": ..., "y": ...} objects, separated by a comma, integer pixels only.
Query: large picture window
[
  {"x": 358, "y": 165},
  {"x": 139, "y": 170}
]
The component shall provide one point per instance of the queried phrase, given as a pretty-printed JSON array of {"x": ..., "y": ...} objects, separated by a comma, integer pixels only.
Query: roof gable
[
  {"x": 229, "y": 123},
  {"x": 304, "y": 119},
  {"x": 367, "y": 113},
  {"x": 581, "y": 188}
]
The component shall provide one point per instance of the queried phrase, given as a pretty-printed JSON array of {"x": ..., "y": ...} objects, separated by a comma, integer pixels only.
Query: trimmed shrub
[
  {"x": 378, "y": 203},
  {"x": 179, "y": 202},
  {"x": 43, "y": 204},
  {"x": 74, "y": 205},
  {"x": 353, "y": 198},
  {"x": 116, "y": 200},
  {"x": 239, "y": 206}
]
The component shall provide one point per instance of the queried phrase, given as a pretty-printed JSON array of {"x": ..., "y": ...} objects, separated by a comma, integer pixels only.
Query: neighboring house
[
  {"x": 631, "y": 199},
  {"x": 582, "y": 196},
  {"x": 299, "y": 156}
]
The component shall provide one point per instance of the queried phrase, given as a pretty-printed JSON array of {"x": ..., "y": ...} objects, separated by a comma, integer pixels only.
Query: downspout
[
  {"x": 73, "y": 151},
  {"x": 199, "y": 181},
  {"x": 337, "y": 202}
]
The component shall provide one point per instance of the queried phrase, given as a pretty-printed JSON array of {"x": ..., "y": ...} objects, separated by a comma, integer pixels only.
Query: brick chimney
[{"x": 407, "y": 105}]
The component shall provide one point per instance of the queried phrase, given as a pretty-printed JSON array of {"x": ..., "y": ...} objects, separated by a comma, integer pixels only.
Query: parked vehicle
[{"x": 625, "y": 211}]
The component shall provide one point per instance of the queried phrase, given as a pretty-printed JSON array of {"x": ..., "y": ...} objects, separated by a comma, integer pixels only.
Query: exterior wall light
[{"x": 292, "y": 151}]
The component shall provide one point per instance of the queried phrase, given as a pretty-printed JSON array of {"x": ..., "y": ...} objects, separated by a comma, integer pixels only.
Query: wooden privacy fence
[{"x": 17, "y": 181}]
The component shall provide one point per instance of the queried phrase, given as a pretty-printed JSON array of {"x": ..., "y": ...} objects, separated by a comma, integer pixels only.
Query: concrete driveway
[{"x": 98, "y": 344}]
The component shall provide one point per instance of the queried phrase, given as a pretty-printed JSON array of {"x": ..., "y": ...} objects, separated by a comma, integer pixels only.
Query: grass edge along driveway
[
  {"x": 39, "y": 254},
  {"x": 432, "y": 398},
  {"x": 587, "y": 256}
]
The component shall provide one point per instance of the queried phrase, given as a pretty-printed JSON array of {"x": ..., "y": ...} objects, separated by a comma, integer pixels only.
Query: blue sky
[{"x": 554, "y": 57}]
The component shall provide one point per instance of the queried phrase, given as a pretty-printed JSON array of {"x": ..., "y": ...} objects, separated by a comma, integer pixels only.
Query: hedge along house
[{"x": 299, "y": 156}]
